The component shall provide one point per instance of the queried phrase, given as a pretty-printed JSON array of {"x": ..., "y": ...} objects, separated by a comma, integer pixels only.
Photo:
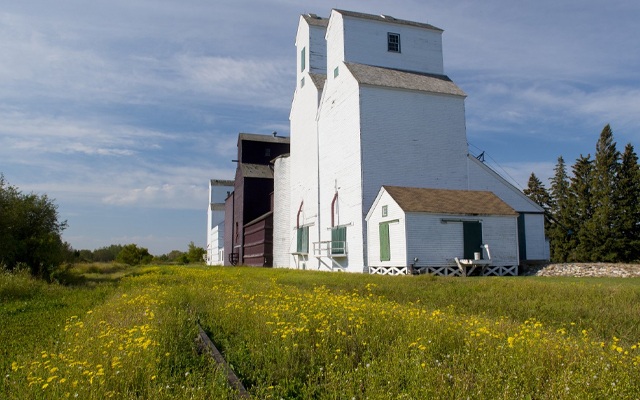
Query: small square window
[
  {"x": 336, "y": 72},
  {"x": 384, "y": 211},
  {"x": 393, "y": 42}
]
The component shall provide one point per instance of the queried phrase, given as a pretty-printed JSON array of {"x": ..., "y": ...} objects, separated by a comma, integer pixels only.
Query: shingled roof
[
  {"x": 443, "y": 201},
  {"x": 318, "y": 80},
  {"x": 394, "y": 78}
]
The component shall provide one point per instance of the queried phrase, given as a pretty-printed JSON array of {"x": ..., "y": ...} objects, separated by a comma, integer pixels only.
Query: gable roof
[
  {"x": 395, "y": 78},
  {"x": 444, "y": 201},
  {"x": 387, "y": 19}
]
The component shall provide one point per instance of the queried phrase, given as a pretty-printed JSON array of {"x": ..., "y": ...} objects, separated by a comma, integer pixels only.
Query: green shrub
[{"x": 131, "y": 254}]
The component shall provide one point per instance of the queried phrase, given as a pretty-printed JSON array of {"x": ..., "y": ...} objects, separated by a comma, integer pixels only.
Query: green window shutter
[
  {"x": 339, "y": 240},
  {"x": 385, "y": 245},
  {"x": 303, "y": 240}
]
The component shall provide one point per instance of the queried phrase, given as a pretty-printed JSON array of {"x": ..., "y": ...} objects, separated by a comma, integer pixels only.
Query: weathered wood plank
[{"x": 208, "y": 346}]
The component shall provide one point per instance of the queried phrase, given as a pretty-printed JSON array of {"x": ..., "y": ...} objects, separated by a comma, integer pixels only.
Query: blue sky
[{"x": 123, "y": 110}]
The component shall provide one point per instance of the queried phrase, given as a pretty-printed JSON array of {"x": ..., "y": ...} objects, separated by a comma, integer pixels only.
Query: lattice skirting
[
  {"x": 510, "y": 270},
  {"x": 388, "y": 270},
  {"x": 449, "y": 270}
]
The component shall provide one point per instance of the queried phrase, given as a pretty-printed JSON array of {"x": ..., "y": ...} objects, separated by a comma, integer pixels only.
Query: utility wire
[{"x": 497, "y": 165}]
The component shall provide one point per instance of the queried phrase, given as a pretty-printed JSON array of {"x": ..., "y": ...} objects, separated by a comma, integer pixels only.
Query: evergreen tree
[
  {"x": 560, "y": 230},
  {"x": 580, "y": 202},
  {"x": 538, "y": 194},
  {"x": 627, "y": 217},
  {"x": 599, "y": 227}
]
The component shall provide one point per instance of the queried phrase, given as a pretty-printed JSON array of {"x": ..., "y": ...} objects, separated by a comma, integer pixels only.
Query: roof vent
[
  {"x": 387, "y": 16},
  {"x": 315, "y": 16}
]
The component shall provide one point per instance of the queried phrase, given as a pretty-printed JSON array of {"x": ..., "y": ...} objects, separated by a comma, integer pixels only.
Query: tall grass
[
  {"x": 292, "y": 334},
  {"x": 315, "y": 342},
  {"x": 135, "y": 343}
]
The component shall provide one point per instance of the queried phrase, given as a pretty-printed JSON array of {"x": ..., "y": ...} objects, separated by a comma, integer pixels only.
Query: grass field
[{"x": 129, "y": 333}]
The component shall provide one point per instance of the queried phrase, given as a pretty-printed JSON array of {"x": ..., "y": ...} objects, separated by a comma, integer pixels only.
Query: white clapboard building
[
  {"x": 423, "y": 228},
  {"x": 373, "y": 108},
  {"x": 218, "y": 191}
]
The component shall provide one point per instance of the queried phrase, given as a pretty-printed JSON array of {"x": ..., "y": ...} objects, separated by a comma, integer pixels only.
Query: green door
[
  {"x": 472, "y": 233},
  {"x": 522, "y": 239},
  {"x": 385, "y": 245}
]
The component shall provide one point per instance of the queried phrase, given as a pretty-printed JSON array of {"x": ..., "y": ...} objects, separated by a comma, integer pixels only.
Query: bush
[
  {"x": 30, "y": 232},
  {"x": 195, "y": 254},
  {"x": 131, "y": 254}
]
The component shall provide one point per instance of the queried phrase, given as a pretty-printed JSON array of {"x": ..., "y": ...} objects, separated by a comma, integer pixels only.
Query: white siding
[
  {"x": 304, "y": 143},
  {"x": 366, "y": 43},
  {"x": 215, "y": 245},
  {"x": 218, "y": 191},
  {"x": 412, "y": 139},
  {"x": 437, "y": 244},
  {"x": 431, "y": 241},
  {"x": 304, "y": 163},
  {"x": 397, "y": 233},
  {"x": 340, "y": 165},
  {"x": 537, "y": 246},
  {"x": 281, "y": 205},
  {"x": 501, "y": 234},
  {"x": 335, "y": 44}
]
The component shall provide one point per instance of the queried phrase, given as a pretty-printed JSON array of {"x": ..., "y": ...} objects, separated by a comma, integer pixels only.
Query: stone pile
[{"x": 586, "y": 270}]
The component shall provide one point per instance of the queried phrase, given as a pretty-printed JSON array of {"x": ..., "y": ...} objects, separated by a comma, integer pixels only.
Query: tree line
[
  {"x": 132, "y": 254},
  {"x": 593, "y": 213},
  {"x": 31, "y": 238}
]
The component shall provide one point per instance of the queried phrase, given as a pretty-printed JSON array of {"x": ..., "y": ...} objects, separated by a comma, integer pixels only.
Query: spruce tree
[
  {"x": 560, "y": 229},
  {"x": 627, "y": 217},
  {"x": 599, "y": 227},
  {"x": 538, "y": 194},
  {"x": 580, "y": 202}
]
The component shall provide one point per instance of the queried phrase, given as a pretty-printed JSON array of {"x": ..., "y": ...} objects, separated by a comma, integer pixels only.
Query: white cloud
[{"x": 257, "y": 82}]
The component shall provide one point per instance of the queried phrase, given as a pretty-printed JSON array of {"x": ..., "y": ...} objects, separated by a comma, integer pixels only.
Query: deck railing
[{"x": 330, "y": 248}]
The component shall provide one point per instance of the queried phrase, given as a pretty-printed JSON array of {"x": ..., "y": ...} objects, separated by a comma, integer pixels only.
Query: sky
[{"x": 122, "y": 110}]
